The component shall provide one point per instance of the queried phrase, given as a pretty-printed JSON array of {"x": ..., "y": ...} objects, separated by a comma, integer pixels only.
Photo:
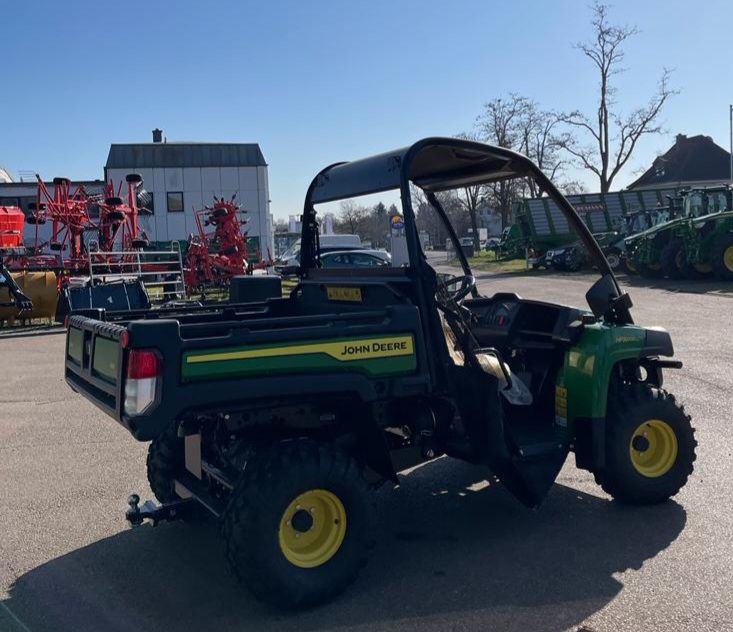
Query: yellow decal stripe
[{"x": 344, "y": 350}]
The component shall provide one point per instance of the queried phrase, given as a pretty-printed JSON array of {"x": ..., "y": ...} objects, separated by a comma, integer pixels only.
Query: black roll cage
[{"x": 434, "y": 164}]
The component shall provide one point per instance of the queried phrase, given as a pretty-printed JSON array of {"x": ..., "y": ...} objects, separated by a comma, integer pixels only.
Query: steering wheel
[{"x": 465, "y": 282}]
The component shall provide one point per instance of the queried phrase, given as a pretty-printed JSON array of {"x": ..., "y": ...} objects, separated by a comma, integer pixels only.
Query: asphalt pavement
[{"x": 454, "y": 551}]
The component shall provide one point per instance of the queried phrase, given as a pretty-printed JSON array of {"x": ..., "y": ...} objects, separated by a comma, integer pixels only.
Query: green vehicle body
[
  {"x": 359, "y": 374},
  {"x": 539, "y": 223},
  {"x": 700, "y": 218}
]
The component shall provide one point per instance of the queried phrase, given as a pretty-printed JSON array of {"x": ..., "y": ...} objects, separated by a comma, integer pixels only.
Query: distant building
[
  {"x": 691, "y": 162},
  {"x": 185, "y": 176}
]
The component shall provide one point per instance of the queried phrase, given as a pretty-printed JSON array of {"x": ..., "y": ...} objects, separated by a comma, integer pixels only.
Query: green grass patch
[{"x": 487, "y": 261}]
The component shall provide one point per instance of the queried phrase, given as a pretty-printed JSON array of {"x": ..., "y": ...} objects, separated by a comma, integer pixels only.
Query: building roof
[
  {"x": 184, "y": 154},
  {"x": 693, "y": 159}
]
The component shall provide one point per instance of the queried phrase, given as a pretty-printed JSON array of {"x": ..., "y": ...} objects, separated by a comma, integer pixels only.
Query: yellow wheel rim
[
  {"x": 704, "y": 268},
  {"x": 728, "y": 258},
  {"x": 653, "y": 448},
  {"x": 312, "y": 528}
]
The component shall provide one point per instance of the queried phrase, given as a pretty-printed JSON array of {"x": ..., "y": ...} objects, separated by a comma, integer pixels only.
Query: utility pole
[{"x": 730, "y": 108}]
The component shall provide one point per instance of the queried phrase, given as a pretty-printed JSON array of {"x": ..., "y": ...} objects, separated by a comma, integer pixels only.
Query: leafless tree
[
  {"x": 351, "y": 217},
  {"x": 608, "y": 139}
]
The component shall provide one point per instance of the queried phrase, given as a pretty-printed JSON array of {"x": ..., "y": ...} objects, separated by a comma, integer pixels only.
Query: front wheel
[
  {"x": 722, "y": 257},
  {"x": 298, "y": 525},
  {"x": 650, "y": 446}
]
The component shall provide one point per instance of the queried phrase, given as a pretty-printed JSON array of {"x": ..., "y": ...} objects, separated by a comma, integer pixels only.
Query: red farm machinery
[
  {"x": 219, "y": 251},
  {"x": 86, "y": 230}
]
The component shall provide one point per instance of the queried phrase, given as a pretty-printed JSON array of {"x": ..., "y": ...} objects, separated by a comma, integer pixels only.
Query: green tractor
[
  {"x": 694, "y": 243},
  {"x": 702, "y": 244}
]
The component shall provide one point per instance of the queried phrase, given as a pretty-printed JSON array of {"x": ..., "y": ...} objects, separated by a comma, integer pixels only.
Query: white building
[{"x": 183, "y": 177}]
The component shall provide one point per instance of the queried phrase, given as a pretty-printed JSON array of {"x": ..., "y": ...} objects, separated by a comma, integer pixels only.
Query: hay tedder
[
  {"x": 78, "y": 220},
  {"x": 215, "y": 256}
]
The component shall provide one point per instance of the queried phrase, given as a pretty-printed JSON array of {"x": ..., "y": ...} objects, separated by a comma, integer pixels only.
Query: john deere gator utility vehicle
[
  {"x": 694, "y": 243},
  {"x": 280, "y": 417}
]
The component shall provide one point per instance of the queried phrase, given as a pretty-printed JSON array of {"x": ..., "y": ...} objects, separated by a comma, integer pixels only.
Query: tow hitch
[{"x": 156, "y": 513}]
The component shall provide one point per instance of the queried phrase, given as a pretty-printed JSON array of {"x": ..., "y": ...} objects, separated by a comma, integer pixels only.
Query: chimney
[
  {"x": 157, "y": 135},
  {"x": 680, "y": 138}
]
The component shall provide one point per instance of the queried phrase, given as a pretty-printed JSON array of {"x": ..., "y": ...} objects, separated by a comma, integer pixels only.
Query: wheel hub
[
  {"x": 653, "y": 448},
  {"x": 312, "y": 528}
]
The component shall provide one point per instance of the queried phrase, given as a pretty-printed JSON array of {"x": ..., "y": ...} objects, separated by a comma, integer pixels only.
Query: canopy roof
[{"x": 434, "y": 164}]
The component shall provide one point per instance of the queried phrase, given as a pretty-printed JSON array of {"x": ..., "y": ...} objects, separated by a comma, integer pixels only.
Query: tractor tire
[
  {"x": 628, "y": 267},
  {"x": 219, "y": 212},
  {"x": 139, "y": 243},
  {"x": 650, "y": 446},
  {"x": 165, "y": 458},
  {"x": 56, "y": 245},
  {"x": 299, "y": 524},
  {"x": 653, "y": 271},
  {"x": 721, "y": 256},
  {"x": 133, "y": 177},
  {"x": 59, "y": 180},
  {"x": 674, "y": 259},
  {"x": 113, "y": 201},
  {"x": 613, "y": 257},
  {"x": 33, "y": 220}
]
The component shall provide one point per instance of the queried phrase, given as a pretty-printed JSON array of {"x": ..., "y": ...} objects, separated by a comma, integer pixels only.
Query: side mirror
[{"x": 602, "y": 295}]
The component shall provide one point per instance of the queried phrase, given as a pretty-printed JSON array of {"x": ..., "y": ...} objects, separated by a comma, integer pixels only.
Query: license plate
[{"x": 344, "y": 294}]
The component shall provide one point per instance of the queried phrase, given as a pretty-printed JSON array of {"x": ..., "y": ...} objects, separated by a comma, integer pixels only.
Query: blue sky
[{"x": 318, "y": 82}]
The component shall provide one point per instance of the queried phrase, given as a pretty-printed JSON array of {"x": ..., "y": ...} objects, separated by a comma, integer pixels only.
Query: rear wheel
[
  {"x": 650, "y": 270},
  {"x": 722, "y": 257},
  {"x": 165, "y": 458},
  {"x": 650, "y": 446},
  {"x": 298, "y": 525}
]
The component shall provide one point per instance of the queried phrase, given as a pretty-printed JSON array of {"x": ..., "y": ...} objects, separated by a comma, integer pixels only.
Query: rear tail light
[{"x": 144, "y": 367}]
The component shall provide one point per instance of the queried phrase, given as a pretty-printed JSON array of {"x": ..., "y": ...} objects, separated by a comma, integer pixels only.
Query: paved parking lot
[{"x": 453, "y": 552}]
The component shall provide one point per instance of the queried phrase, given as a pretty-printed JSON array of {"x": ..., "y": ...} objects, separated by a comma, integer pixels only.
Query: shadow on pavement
[
  {"x": 449, "y": 550},
  {"x": 701, "y": 286}
]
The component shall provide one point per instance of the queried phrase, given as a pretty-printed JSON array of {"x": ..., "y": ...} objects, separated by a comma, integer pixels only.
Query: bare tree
[
  {"x": 500, "y": 124},
  {"x": 609, "y": 138},
  {"x": 351, "y": 217},
  {"x": 469, "y": 199}
]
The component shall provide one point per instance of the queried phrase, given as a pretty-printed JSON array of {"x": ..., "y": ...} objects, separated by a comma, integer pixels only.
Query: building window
[{"x": 175, "y": 201}]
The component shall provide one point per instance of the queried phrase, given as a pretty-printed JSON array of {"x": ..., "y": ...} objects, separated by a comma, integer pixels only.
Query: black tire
[
  {"x": 613, "y": 257},
  {"x": 674, "y": 259},
  {"x": 629, "y": 410},
  {"x": 253, "y": 523},
  {"x": 649, "y": 271},
  {"x": 140, "y": 243},
  {"x": 59, "y": 180},
  {"x": 33, "y": 220},
  {"x": 165, "y": 458},
  {"x": 113, "y": 201},
  {"x": 627, "y": 266},
  {"x": 219, "y": 212},
  {"x": 55, "y": 245},
  {"x": 721, "y": 257},
  {"x": 133, "y": 177}
]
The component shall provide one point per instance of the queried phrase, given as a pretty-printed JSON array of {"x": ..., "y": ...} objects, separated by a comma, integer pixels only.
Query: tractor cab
[{"x": 505, "y": 364}]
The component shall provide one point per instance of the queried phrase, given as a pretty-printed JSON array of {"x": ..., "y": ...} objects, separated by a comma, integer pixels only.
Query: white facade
[{"x": 199, "y": 185}]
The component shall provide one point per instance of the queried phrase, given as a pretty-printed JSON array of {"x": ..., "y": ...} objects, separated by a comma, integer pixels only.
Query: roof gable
[{"x": 693, "y": 159}]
